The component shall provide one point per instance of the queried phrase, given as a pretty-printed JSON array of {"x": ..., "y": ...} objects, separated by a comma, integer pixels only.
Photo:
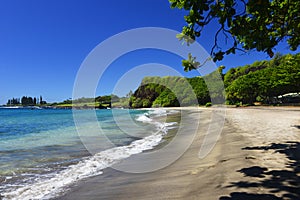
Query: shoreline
[
  {"x": 88, "y": 166},
  {"x": 241, "y": 165},
  {"x": 150, "y": 108}
]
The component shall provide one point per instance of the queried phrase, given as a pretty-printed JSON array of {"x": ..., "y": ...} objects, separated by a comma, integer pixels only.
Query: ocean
[{"x": 44, "y": 151}]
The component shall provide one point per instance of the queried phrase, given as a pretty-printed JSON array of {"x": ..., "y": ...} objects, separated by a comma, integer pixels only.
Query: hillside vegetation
[
  {"x": 101, "y": 102},
  {"x": 262, "y": 81}
]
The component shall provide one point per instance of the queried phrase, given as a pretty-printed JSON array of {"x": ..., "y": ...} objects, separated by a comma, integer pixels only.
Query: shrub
[{"x": 208, "y": 104}]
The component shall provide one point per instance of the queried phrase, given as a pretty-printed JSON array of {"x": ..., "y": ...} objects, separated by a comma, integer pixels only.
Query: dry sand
[{"x": 256, "y": 157}]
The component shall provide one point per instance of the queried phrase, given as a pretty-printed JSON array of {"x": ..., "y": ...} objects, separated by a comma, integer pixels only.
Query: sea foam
[{"x": 54, "y": 184}]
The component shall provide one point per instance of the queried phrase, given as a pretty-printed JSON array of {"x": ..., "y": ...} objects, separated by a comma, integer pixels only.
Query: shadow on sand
[
  {"x": 285, "y": 181},
  {"x": 296, "y": 126}
]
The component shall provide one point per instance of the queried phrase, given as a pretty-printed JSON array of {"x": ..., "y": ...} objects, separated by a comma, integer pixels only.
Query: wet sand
[{"x": 257, "y": 156}]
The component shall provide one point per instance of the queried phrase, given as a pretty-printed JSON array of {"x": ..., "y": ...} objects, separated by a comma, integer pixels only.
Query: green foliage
[
  {"x": 13, "y": 102},
  {"x": 98, "y": 102},
  {"x": 279, "y": 76},
  {"x": 234, "y": 73},
  {"x": 215, "y": 85},
  {"x": 166, "y": 99},
  {"x": 199, "y": 86},
  {"x": 190, "y": 63},
  {"x": 122, "y": 102},
  {"x": 244, "y": 89},
  {"x": 261, "y": 81},
  {"x": 170, "y": 91},
  {"x": 104, "y": 99},
  {"x": 68, "y": 101},
  {"x": 144, "y": 96},
  {"x": 208, "y": 104},
  {"x": 26, "y": 101},
  {"x": 245, "y": 25}
]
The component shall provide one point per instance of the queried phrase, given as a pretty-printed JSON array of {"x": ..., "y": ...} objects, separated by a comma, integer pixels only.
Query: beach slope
[{"x": 256, "y": 157}]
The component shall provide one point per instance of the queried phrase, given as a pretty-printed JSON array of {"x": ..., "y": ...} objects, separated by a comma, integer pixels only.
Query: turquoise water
[{"x": 43, "y": 144}]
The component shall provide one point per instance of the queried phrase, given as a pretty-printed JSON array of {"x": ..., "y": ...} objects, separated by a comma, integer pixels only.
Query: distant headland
[{"x": 274, "y": 82}]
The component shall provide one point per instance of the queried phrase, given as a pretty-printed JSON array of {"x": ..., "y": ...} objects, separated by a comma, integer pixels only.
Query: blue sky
[{"x": 43, "y": 43}]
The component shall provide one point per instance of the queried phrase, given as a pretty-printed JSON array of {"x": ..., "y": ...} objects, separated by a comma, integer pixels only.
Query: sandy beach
[{"x": 257, "y": 156}]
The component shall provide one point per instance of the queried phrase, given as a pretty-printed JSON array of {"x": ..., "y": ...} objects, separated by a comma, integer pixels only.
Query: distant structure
[{"x": 289, "y": 98}]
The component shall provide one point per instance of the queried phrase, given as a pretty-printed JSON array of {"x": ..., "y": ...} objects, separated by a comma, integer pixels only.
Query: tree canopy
[
  {"x": 262, "y": 81},
  {"x": 26, "y": 101},
  {"x": 245, "y": 25}
]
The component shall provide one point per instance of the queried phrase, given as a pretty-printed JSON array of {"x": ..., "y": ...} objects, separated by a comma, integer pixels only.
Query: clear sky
[{"x": 43, "y": 43}]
